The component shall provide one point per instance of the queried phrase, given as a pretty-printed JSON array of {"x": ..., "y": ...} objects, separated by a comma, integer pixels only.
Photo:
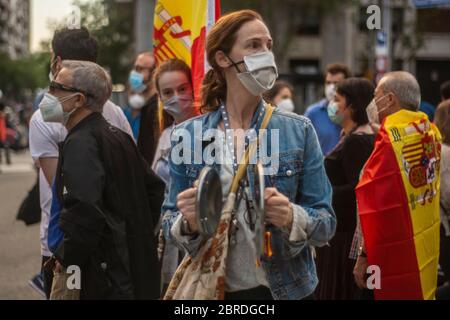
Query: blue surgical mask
[
  {"x": 136, "y": 81},
  {"x": 332, "y": 110}
]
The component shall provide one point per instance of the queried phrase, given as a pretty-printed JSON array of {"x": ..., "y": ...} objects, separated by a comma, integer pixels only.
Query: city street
[{"x": 19, "y": 244}]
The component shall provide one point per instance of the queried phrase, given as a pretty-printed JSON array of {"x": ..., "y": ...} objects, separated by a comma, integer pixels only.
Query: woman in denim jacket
[{"x": 298, "y": 197}]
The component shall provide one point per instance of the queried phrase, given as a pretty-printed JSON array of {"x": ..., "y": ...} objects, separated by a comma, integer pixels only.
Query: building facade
[
  {"x": 15, "y": 27},
  {"x": 419, "y": 43}
]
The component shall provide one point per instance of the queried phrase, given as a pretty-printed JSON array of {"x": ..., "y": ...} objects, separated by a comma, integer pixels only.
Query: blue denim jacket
[{"x": 301, "y": 177}]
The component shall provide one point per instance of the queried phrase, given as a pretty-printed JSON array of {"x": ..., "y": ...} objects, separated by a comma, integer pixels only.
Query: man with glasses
[
  {"x": 44, "y": 137},
  {"x": 142, "y": 108},
  {"x": 110, "y": 199}
]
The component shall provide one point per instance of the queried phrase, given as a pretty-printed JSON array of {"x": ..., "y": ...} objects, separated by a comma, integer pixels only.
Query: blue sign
[
  {"x": 381, "y": 38},
  {"x": 431, "y": 3}
]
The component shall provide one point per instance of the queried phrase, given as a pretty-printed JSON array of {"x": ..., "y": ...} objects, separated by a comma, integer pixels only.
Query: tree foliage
[{"x": 22, "y": 76}]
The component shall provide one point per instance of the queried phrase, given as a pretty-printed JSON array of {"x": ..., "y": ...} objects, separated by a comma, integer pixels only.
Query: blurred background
[{"x": 308, "y": 35}]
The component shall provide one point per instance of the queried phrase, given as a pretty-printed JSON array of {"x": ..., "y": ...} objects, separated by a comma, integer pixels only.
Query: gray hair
[
  {"x": 405, "y": 87},
  {"x": 93, "y": 80}
]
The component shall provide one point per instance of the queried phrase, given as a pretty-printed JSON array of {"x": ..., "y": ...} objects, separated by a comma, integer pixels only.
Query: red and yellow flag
[
  {"x": 398, "y": 205},
  {"x": 179, "y": 31}
]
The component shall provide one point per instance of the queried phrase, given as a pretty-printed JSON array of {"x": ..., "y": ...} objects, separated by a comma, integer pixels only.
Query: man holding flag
[{"x": 398, "y": 195}]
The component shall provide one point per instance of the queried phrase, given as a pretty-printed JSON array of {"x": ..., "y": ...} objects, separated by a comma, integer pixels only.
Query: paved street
[{"x": 19, "y": 244}]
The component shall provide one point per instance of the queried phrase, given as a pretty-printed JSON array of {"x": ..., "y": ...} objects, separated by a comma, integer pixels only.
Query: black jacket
[
  {"x": 111, "y": 202},
  {"x": 149, "y": 130}
]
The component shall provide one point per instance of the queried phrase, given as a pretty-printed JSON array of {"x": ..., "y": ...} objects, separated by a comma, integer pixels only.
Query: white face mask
[
  {"x": 372, "y": 111},
  {"x": 179, "y": 107},
  {"x": 52, "y": 110},
  {"x": 286, "y": 105},
  {"x": 136, "y": 101},
  {"x": 330, "y": 90},
  {"x": 261, "y": 72}
]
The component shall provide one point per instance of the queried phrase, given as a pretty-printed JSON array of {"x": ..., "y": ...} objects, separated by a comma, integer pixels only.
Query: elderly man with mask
[
  {"x": 110, "y": 198},
  {"x": 67, "y": 44},
  {"x": 398, "y": 196}
]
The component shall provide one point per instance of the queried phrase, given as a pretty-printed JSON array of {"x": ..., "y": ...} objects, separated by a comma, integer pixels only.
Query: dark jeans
[
  {"x": 47, "y": 275},
  {"x": 258, "y": 293}
]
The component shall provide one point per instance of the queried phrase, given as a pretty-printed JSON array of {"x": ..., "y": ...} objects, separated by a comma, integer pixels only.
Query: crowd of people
[{"x": 117, "y": 202}]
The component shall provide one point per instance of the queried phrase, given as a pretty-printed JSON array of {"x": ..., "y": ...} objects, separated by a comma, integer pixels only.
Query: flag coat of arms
[
  {"x": 179, "y": 31},
  {"x": 398, "y": 206}
]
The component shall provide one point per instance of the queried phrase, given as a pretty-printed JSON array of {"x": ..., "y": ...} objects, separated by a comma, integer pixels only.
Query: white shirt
[{"x": 44, "y": 138}]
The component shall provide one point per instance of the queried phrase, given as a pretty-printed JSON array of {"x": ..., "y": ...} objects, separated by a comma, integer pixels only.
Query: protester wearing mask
[
  {"x": 343, "y": 166},
  {"x": 173, "y": 83},
  {"x": 133, "y": 111},
  {"x": 110, "y": 198},
  {"x": 442, "y": 121},
  {"x": 323, "y": 113},
  {"x": 142, "y": 109},
  {"x": 44, "y": 137},
  {"x": 281, "y": 96},
  {"x": 399, "y": 183},
  {"x": 297, "y": 199}
]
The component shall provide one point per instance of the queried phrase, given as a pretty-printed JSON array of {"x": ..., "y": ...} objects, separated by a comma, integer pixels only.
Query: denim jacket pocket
[
  {"x": 287, "y": 178},
  {"x": 192, "y": 173}
]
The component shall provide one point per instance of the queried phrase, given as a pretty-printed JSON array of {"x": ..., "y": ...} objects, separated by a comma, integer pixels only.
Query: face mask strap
[
  {"x": 235, "y": 64},
  {"x": 379, "y": 111}
]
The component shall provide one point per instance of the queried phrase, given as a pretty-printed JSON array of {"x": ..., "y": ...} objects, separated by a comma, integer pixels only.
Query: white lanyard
[{"x": 229, "y": 132}]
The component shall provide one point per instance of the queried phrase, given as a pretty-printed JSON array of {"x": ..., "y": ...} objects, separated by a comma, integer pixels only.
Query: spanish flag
[
  {"x": 398, "y": 205},
  {"x": 179, "y": 31}
]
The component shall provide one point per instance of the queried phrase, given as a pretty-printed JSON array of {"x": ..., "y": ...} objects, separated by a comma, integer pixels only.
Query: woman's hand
[
  {"x": 278, "y": 209},
  {"x": 186, "y": 204}
]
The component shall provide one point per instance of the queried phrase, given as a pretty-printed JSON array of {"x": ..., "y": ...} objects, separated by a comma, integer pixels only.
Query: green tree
[
  {"x": 23, "y": 75},
  {"x": 112, "y": 25}
]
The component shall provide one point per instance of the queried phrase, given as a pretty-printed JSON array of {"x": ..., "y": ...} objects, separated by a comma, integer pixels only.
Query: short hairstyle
[
  {"x": 277, "y": 87},
  {"x": 335, "y": 68},
  {"x": 358, "y": 93},
  {"x": 445, "y": 90},
  {"x": 405, "y": 87},
  {"x": 75, "y": 44},
  {"x": 442, "y": 120},
  {"x": 93, "y": 80}
]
